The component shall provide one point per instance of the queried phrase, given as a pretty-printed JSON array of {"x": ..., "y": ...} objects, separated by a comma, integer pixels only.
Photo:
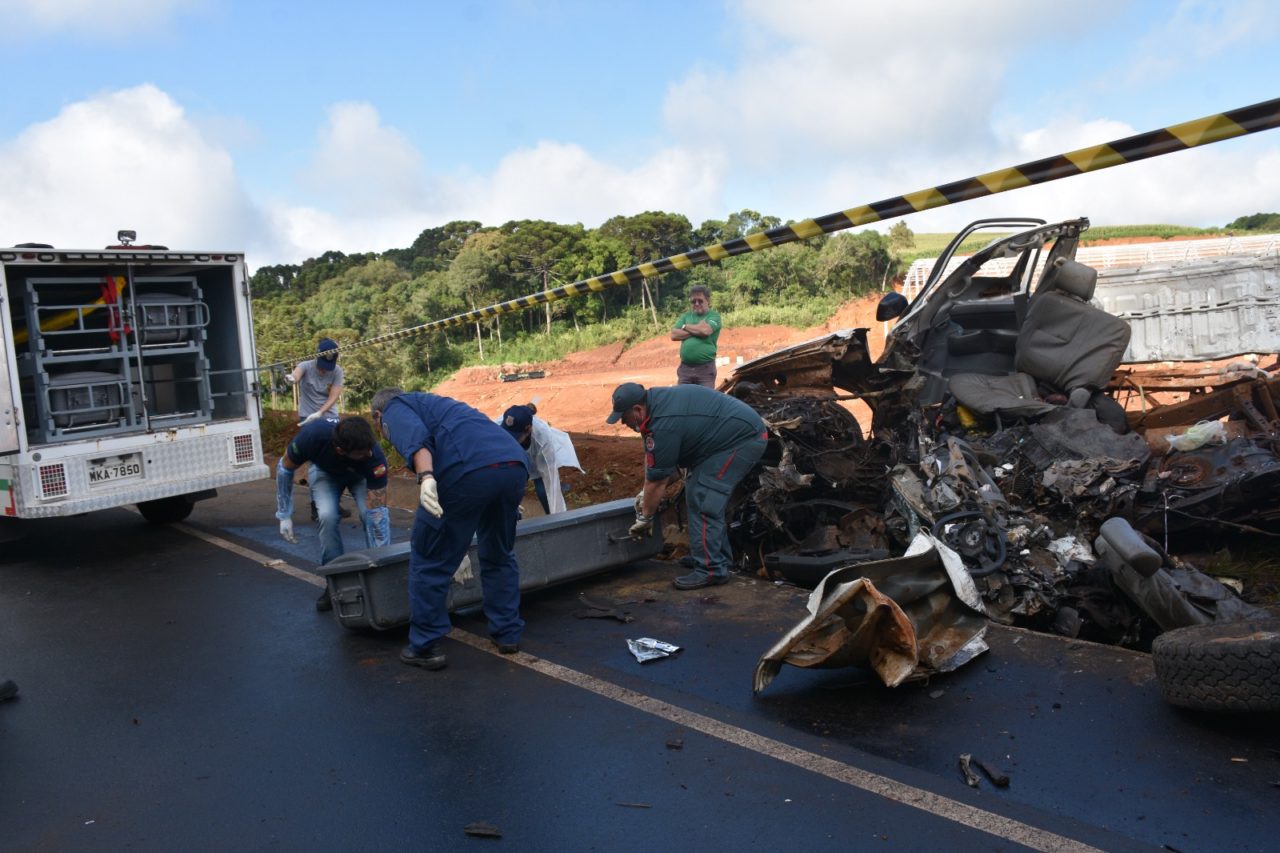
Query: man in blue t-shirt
[
  {"x": 471, "y": 478},
  {"x": 344, "y": 455}
]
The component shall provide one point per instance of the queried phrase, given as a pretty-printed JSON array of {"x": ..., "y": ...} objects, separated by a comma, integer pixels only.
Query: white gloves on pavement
[
  {"x": 286, "y": 531},
  {"x": 429, "y": 496}
]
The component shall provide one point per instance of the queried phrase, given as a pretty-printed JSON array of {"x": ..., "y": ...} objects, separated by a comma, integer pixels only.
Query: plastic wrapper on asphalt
[{"x": 647, "y": 649}]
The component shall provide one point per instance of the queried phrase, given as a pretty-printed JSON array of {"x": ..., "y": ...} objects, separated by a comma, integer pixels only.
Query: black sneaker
[
  {"x": 8, "y": 689},
  {"x": 429, "y": 658},
  {"x": 505, "y": 648},
  {"x": 324, "y": 603},
  {"x": 696, "y": 580},
  {"x": 688, "y": 562}
]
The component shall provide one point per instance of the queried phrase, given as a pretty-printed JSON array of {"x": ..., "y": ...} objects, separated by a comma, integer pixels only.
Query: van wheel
[
  {"x": 166, "y": 510},
  {"x": 1231, "y": 666}
]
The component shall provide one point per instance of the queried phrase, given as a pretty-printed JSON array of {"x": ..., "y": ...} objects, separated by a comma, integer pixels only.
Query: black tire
[
  {"x": 1232, "y": 666},
  {"x": 166, "y": 510}
]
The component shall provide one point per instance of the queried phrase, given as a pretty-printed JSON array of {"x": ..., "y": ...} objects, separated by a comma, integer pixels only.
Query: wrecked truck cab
[
  {"x": 968, "y": 316},
  {"x": 993, "y": 433},
  {"x": 966, "y": 320}
]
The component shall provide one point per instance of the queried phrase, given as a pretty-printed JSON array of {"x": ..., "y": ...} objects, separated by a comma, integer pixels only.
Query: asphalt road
[{"x": 179, "y": 691}]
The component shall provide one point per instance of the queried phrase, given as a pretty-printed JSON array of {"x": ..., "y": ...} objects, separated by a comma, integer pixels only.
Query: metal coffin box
[{"x": 370, "y": 589}]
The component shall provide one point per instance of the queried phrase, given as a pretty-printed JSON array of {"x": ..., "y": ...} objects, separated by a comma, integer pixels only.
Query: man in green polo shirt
[{"x": 697, "y": 331}]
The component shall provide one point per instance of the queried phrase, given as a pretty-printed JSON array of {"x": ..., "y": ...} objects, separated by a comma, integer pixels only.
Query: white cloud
[
  {"x": 362, "y": 166},
  {"x": 834, "y": 79},
  {"x": 565, "y": 183},
  {"x": 374, "y": 191},
  {"x": 126, "y": 159},
  {"x": 92, "y": 18},
  {"x": 1200, "y": 187},
  {"x": 831, "y": 104}
]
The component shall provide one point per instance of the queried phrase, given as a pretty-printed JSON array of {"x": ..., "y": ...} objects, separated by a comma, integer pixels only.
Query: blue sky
[{"x": 288, "y": 129}]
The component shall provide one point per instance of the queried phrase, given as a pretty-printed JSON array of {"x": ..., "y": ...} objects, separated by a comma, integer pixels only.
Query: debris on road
[
  {"x": 970, "y": 777},
  {"x": 480, "y": 829},
  {"x": 999, "y": 779},
  {"x": 646, "y": 649},
  {"x": 595, "y": 610},
  {"x": 1004, "y": 430}
]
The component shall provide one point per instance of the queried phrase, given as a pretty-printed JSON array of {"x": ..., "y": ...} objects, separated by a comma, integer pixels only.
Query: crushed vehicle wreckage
[{"x": 1006, "y": 438}]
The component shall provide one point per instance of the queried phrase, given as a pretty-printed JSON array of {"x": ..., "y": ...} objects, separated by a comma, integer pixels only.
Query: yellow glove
[{"x": 429, "y": 495}]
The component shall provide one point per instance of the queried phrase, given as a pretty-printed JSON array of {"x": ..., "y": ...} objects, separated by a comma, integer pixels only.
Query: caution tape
[{"x": 1143, "y": 146}]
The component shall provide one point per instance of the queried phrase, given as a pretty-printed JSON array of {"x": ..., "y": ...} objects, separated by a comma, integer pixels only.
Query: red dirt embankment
[{"x": 574, "y": 395}]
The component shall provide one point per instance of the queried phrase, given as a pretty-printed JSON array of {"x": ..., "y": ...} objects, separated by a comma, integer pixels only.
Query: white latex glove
[
  {"x": 314, "y": 416},
  {"x": 429, "y": 496},
  {"x": 642, "y": 529},
  {"x": 290, "y": 379},
  {"x": 640, "y": 504},
  {"x": 286, "y": 531}
]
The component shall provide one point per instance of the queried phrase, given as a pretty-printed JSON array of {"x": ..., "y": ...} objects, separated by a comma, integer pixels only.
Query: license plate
[{"x": 114, "y": 468}]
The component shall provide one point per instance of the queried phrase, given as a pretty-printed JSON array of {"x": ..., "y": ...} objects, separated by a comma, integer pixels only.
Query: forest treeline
[
  {"x": 461, "y": 266},
  {"x": 464, "y": 265}
]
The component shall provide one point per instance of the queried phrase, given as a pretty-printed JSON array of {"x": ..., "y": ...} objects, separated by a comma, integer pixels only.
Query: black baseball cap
[{"x": 625, "y": 396}]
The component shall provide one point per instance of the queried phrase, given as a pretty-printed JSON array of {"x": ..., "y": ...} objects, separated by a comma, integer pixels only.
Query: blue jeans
[
  {"x": 540, "y": 489},
  {"x": 483, "y": 503},
  {"x": 325, "y": 491}
]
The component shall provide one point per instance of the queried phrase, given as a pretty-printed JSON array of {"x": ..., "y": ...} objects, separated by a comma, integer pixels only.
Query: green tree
[
  {"x": 650, "y": 236},
  {"x": 901, "y": 239},
  {"x": 746, "y": 222},
  {"x": 1256, "y": 222},
  {"x": 856, "y": 263},
  {"x": 435, "y": 248},
  {"x": 476, "y": 277}
]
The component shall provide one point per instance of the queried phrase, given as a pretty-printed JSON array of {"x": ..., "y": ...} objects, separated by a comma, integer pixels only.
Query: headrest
[{"x": 1072, "y": 277}]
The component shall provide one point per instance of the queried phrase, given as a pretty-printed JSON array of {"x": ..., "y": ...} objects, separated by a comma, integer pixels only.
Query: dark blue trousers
[{"x": 483, "y": 503}]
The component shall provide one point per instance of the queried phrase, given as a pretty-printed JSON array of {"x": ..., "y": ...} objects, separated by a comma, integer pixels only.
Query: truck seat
[{"x": 1065, "y": 343}]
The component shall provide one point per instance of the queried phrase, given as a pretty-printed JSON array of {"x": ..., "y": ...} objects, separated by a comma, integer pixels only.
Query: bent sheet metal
[{"x": 906, "y": 618}]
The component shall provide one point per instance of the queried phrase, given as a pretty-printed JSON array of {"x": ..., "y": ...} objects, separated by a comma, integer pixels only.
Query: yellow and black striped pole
[{"x": 1166, "y": 140}]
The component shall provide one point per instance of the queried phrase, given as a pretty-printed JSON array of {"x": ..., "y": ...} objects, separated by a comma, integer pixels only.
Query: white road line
[
  {"x": 269, "y": 562},
  {"x": 909, "y": 795}
]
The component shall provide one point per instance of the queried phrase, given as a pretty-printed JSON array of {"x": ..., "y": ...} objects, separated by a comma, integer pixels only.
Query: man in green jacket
[
  {"x": 716, "y": 437},
  {"x": 697, "y": 330}
]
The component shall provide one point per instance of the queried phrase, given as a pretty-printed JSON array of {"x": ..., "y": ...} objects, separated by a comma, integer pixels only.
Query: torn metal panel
[
  {"x": 813, "y": 368},
  {"x": 904, "y": 618},
  {"x": 1197, "y": 311},
  {"x": 1246, "y": 392},
  {"x": 1234, "y": 483}
]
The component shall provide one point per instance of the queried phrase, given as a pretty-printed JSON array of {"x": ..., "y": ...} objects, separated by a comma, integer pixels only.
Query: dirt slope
[{"x": 575, "y": 393}]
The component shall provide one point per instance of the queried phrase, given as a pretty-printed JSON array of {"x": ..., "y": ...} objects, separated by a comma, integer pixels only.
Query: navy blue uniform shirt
[
  {"x": 460, "y": 438},
  {"x": 314, "y": 444}
]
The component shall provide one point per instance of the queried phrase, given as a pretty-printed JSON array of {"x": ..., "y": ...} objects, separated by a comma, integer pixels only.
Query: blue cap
[
  {"x": 517, "y": 419},
  {"x": 330, "y": 361}
]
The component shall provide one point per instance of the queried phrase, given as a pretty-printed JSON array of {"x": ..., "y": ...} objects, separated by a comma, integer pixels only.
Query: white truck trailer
[{"x": 127, "y": 376}]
